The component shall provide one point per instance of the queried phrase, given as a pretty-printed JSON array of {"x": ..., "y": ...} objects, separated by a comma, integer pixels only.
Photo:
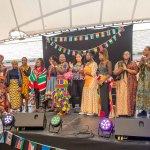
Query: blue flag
[{"x": 45, "y": 147}]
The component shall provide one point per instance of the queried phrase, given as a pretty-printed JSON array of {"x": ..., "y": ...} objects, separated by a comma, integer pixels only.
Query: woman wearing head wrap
[
  {"x": 89, "y": 104},
  {"x": 126, "y": 85}
]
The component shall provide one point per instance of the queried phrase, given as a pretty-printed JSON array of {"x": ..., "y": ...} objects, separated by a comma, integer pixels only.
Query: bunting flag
[
  {"x": 19, "y": 143},
  {"x": 32, "y": 145},
  {"x": 2, "y": 138},
  {"x": 87, "y": 36},
  {"x": 45, "y": 147},
  {"x": 100, "y": 47},
  {"x": 9, "y": 136}
]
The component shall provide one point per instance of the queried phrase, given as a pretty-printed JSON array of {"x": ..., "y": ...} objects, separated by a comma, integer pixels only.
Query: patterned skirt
[
  {"x": 25, "y": 88},
  {"x": 50, "y": 87},
  {"x": 61, "y": 95},
  {"x": 15, "y": 95}
]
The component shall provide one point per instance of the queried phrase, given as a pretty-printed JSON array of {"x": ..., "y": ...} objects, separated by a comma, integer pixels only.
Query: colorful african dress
[
  {"x": 37, "y": 84},
  {"x": 14, "y": 82},
  {"x": 25, "y": 72},
  {"x": 126, "y": 90},
  {"x": 143, "y": 90},
  {"x": 3, "y": 91},
  {"x": 89, "y": 95},
  {"x": 61, "y": 95}
]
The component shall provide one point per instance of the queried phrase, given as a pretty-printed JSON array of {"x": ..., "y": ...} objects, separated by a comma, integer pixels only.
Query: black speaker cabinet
[
  {"x": 34, "y": 120},
  {"x": 138, "y": 127}
]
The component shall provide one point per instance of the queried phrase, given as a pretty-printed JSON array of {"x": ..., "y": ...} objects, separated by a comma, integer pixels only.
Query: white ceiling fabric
[{"x": 40, "y": 16}]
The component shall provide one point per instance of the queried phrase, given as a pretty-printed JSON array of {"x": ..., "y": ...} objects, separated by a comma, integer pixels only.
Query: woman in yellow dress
[
  {"x": 14, "y": 83},
  {"x": 25, "y": 72},
  {"x": 89, "y": 103}
]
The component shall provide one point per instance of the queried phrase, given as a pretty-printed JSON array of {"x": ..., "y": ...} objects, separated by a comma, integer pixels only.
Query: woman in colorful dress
[
  {"x": 4, "y": 105},
  {"x": 89, "y": 103},
  {"x": 37, "y": 84},
  {"x": 51, "y": 80},
  {"x": 25, "y": 72},
  {"x": 77, "y": 81},
  {"x": 126, "y": 85},
  {"x": 143, "y": 90},
  {"x": 105, "y": 82},
  {"x": 61, "y": 96},
  {"x": 14, "y": 83}
]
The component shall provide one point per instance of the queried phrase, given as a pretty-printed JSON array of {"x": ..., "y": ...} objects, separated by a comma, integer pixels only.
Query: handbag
[{"x": 69, "y": 75}]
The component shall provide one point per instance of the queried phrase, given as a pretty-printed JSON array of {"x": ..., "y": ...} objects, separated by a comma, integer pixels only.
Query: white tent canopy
[{"x": 41, "y": 16}]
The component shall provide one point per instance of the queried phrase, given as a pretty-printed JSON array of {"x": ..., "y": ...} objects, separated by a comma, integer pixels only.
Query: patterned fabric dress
[
  {"x": 89, "y": 95},
  {"x": 60, "y": 95},
  {"x": 126, "y": 91},
  {"x": 51, "y": 82},
  {"x": 25, "y": 72},
  {"x": 14, "y": 82},
  {"x": 37, "y": 80},
  {"x": 3, "y": 91},
  {"x": 143, "y": 90}
]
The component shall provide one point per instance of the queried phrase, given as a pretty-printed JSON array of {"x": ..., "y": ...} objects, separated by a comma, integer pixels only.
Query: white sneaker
[
  {"x": 82, "y": 113},
  {"x": 89, "y": 114}
]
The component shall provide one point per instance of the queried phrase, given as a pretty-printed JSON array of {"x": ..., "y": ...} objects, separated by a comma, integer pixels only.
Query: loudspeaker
[
  {"x": 36, "y": 120},
  {"x": 138, "y": 127}
]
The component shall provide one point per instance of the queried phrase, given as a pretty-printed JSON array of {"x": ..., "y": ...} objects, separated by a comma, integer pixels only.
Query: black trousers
[
  {"x": 104, "y": 95},
  {"x": 37, "y": 99},
  {"x": 76, "y": 92}
]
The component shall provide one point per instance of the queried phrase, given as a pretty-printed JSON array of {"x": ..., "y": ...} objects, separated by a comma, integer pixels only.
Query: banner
[
  {"x": 86, "y": 37},
  {"x": 9, "y": 136},
  {"x": 19, "y": 143},
  {"x": 110, "y": 41},
  {"x": 32, "y": 145},
  {"x": 2, "y": 138}
]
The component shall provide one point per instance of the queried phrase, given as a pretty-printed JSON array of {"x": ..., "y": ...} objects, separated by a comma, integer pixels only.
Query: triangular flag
[
  {"x": 86, "y": 37},
  {"x": 55, "y": 39},
  {"x": 48, "y": 40},
  {"x": 68, "y": 52},
  {"x": 102, "y": 34},
  {"x": 8, "y": 138},
  {"x": 70, "y": 39},
  {"x": 106, "y": 44},
  {"x": 2, "y": 138},
  {"x": 32, "y": 145},
  {"x": 101, "y": 47},
  {"x": 19, "y": 143},
  {"x": 52, "y": 43},
  {"x": 61, "y": 39},
  {"x": 45, "y": 147},
  {"x": 56, "y": 46},
  {"x": 97, "y": 35},
  {"x": 51, "y": 38},
  {"x": 80, "y": 38},
  {"x": 108, "y": 33},
  {"x": 92, "y": 36},
  {"x": 65, "y": 39},
  {"x": 113, "y": 31},
  {"x": 114, "y": 37},
  {"x": 73, "y": 53},
  {"x": 64, "y": 50},
  {"x": 75, "y": 38},
  {"x": 110, "y": 41}
]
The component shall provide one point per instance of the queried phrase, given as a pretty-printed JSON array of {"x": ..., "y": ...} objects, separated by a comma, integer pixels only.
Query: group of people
[{"x": 88, "y": 84}]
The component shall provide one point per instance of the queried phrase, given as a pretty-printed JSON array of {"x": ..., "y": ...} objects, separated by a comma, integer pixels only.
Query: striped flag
[
  {"x": 102, "y": 34},
  {"x": 80, "y": 38},
  {"x": 75, "y": 38},
  {"x": 86, "y": 37},
  {"x": 92, "y": 36},
  {"x": 61, "y": 39},
  {"x": 32, "y": 145},
  {"x": 70, "y": 39},
  {"x": 8, "y": 138},
  {"x": 110, "y": 41},
  {"x": 19, "y": 143},
  {"x": 113, "y": 31},
  {"x": 45, "y": 147}
]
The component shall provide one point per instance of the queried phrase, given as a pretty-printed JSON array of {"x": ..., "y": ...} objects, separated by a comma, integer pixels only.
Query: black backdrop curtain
[{"x": 115, "y": 50}]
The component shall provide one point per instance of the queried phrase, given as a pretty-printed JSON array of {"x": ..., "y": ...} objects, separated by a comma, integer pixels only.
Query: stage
[{"x": 69, "y": 138}]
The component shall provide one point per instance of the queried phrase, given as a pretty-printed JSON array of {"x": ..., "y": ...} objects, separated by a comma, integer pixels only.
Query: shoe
[
  {"x": 82, "y": 113},
  {"x": 90, "y": 114},
  {"x": 142, "y": 114}
]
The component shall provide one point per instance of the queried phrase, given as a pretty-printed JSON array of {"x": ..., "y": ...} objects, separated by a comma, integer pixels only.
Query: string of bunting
[
  {"x": 100, "y": 47},
  {"x": 20, "y": 142},
  {"x": 87, "y": 36}
]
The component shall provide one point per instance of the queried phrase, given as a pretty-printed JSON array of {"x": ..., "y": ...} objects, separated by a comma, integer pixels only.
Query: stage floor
[{"x": 74, "y": 123}]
